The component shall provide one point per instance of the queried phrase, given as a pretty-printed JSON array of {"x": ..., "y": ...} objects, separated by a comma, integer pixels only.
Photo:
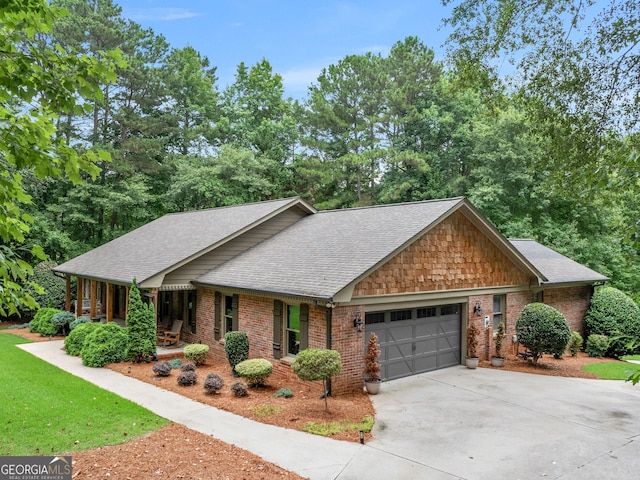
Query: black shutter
[
  {"x": 234, "y": 309},
  {"x": 304, "y": 326},
  {"x": 217, "y": 314},
  {"x": 277, "y": 329}
]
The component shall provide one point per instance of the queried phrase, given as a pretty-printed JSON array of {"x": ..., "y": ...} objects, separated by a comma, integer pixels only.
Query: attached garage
[{"x": 416, "y": 340}]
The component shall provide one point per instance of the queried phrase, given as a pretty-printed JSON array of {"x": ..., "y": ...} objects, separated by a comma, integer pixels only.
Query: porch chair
[{"x": 172, "y": 336}]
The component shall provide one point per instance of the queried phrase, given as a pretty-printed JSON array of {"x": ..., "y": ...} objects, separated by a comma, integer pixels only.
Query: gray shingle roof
[
  {"x": 167, "y": 241},
  {"x": 554, "y": 266},
  {"x": 322, "y": 253}
]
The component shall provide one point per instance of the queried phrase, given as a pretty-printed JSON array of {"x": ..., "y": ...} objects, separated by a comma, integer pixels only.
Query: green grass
[
  {"x": 266, "y": 410},
  {"x": 332, "y": 428},
  {"x": 630, "y": 357},
  {"x": 611, "y": 370},
  {"x": 45, "y": 410}
]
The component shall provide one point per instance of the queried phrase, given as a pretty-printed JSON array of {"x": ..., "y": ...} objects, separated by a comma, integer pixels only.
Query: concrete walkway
[{"x": 448, "y": 424}]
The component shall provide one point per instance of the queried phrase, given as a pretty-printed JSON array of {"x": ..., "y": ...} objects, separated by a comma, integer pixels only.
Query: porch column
[
  {"x": 67, "y": 290},
  {"x": 92, "y": 299},
  {"x": 109, "y": 302},
  {"x": 79, "y": 299}
]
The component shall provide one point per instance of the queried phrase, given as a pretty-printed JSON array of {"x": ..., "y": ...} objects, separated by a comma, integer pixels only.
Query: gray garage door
[{"x": 416, "y": 340}]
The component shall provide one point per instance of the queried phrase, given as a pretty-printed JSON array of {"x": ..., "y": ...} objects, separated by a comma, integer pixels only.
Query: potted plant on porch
[
  {"x": 472, "y": 346},
  {"x": 497, "y": 360},
  {"x": 372, "y": 365}
]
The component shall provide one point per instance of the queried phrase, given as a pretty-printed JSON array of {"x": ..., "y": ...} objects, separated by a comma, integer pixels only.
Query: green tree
[
  {"x": 316, "y": 364},
  {"x": 577, "y": 71},
  {"x": 38, "y": 85},
  {"x": 141, "y": 327}
]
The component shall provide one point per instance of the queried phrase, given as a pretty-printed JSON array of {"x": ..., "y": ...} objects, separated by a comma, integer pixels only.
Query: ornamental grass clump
[
  {"x": 197, "y": 353},
  {"x": 283, "y": 393},
  {"x": 162, "y": 369},
  {"x": 213, "y": 383},
  {"x": 255, "y": 371}
]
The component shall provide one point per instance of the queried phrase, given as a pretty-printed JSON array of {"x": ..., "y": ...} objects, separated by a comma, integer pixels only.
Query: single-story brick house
[{"x": 293, "y": 278}]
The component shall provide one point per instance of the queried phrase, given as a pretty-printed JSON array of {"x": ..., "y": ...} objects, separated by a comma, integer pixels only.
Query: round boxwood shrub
[
  {"x": 106, "y": 344},
  {"x": 542, "y": 329},
  {"x": 197, "y": 353},
  {"x": 75, "y": 340},
  {"x": 597, "y": 345},
  {"x": 236, "y": 346},
  {"x": 162, "y": 369},
  {"x": 213, "y": 383},
  {"x": 616, "y": 315},
  {"x": 78, "y": 321},
  {"x": 187, "y": 378},
  {"x": 239, "y": 389},
  {"x": 255, "y": 371},
  {"x": 62, "y": 321},
  {"x": 188, "y": 367}
]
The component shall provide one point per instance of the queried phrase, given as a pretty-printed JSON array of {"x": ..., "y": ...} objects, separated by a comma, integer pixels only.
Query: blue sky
[{"x": 298, "y": 38}]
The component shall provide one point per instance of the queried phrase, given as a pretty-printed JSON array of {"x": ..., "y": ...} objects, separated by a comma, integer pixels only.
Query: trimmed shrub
[
  {"x": 283, "y": 393},
  {"x": 197, "y": 353},
  {"x": 162, "y": 369},
  {"x": 616, "y": 315},
  {"x": 315, "y": 364},
  {"x": 575, "y": 343},
  {"x": 176, "y": 363},
  {"x": 213, "y": 383},
  {"x": 236, "y": 346},
  {"x": 187, "y": 378},
  {"x": 255, "y": 371},
  {"x": 239, "y": 389},
  {"x": 542, "y": 329},
  {"x": 75, "y": 340},
  {"x": 597, "y": 345},
  {"x": 78, "y": 321},
  {"x": 141, "y": 327},
  {"x": 188, "y": 367},
  {"x": 106, "y": 344},
  {"x": 62, "y": 321},
  {"x": 54, "y": 295},
  {"x": 41, "y": 323}
]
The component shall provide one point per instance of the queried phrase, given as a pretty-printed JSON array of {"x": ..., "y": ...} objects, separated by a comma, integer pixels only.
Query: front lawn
[
  {"x": 612, "y": 370},
  {"x": 47, "y": 411}
]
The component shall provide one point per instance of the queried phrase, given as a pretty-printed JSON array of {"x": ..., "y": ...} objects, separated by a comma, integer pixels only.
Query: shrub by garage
[{"x": 543, "y": 329}]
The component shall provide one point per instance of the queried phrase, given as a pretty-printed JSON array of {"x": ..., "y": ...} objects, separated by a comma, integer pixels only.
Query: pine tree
[{"x": 141, "y": 327}]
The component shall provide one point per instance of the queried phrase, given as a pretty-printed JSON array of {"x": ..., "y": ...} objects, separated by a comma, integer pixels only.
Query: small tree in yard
[
  {"x": 316, "y": 364},
  {"x": 141, "y": 327},
  {"x": 542, "y": 329}
]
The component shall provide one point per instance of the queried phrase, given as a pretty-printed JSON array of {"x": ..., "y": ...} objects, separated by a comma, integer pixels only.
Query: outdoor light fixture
[
  {"x": 477, "y": 309},
  {"x": 357, "y": 322},
  {"x": 362, "y": 437}
]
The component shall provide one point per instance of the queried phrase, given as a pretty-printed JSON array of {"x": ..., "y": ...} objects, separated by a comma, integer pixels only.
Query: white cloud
[{"x": 160, "y": 14}]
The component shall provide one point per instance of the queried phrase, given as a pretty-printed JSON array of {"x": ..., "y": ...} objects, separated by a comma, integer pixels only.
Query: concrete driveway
[{"x": 493, "y": 424}]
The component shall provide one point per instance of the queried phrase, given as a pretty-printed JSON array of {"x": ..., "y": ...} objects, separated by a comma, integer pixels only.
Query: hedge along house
[{"x": 293, "y": 278}]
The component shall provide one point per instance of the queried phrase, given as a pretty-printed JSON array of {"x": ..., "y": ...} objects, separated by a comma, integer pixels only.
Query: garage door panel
[{"x": 420, "y": 344}]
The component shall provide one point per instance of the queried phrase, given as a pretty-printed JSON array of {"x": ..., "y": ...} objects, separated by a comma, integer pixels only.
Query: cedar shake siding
[{"x": 452, "y": 255}]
